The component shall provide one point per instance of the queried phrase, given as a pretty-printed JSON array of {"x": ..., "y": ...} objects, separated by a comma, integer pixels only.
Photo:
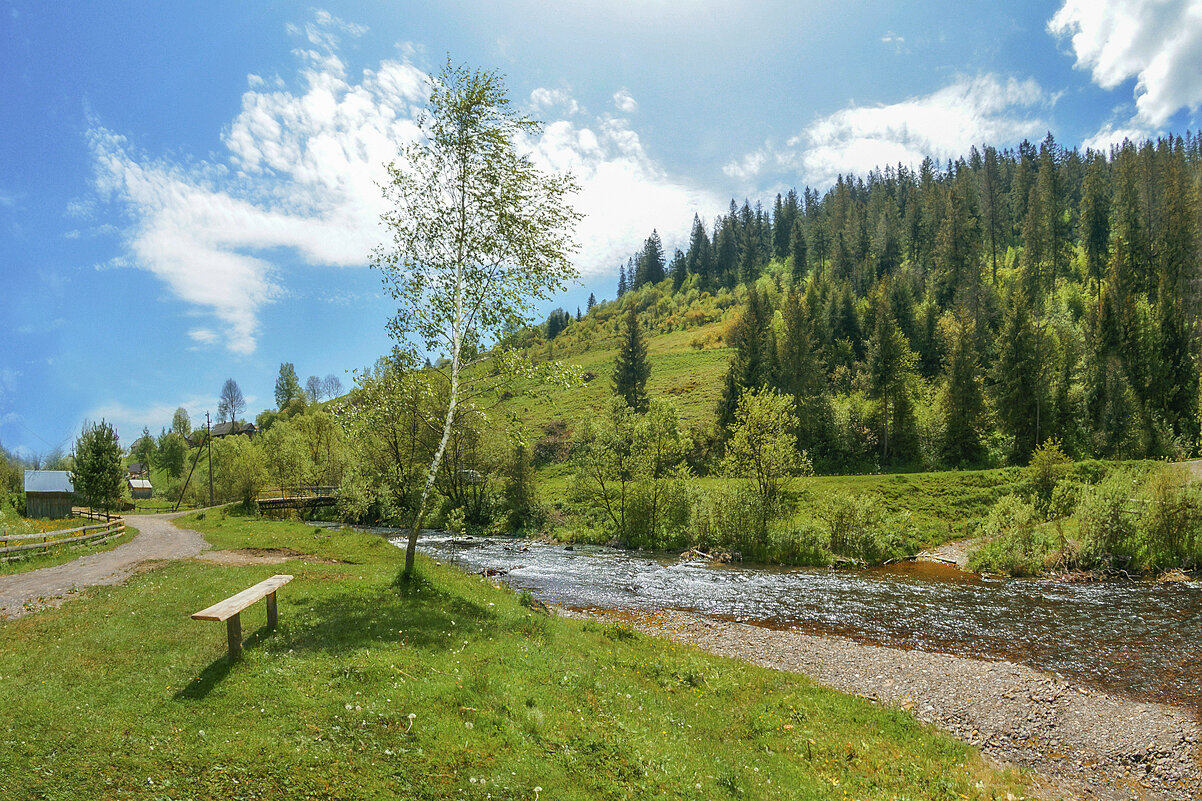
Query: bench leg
[
  {"x": 272, "y": 616},
  {"x": 233, "y": 633}
]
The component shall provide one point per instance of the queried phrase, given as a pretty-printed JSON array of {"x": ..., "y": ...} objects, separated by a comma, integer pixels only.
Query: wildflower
[{"x": 411, "y": 718}]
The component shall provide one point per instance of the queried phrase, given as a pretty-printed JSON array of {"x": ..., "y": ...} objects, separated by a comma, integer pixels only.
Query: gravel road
[
  {"x": 157, "y": 539},
  {"x": 1081, "y": 742}
]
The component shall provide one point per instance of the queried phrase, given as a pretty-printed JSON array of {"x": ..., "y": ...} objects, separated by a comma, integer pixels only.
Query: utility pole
[{"x": 209, "y": 437}]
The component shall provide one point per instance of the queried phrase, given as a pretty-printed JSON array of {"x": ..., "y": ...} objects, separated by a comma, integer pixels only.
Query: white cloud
[
  {"x": 942, "y": 125},
  {"x": 299, "y": 175},
  {"x": 1111, "y": 134},
  {"x": 545, "y": 100},
  {"x": 624, "y": 193},
  {"x": 625, "y": 102},
  {"x": 1158, "y": 42},
  {"x": 129, "y": 421}
]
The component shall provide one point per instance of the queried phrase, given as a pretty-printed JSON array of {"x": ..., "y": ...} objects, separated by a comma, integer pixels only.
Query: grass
[{"x": 446, "y": 688}]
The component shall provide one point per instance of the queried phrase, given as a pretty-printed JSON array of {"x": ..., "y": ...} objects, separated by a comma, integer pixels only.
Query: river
[{"x": 1136, "y": 638}]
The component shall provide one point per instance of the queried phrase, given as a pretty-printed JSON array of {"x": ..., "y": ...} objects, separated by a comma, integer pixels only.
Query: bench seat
[{"x": 230, "y": 610}]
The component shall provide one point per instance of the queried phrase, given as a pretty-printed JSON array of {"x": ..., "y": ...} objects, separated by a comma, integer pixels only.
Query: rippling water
[{"x": 1137, "y": 638}]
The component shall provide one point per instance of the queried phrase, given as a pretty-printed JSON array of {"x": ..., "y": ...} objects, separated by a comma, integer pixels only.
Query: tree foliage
[
  {"x": 477, "y": 235},
  {"x": 97, "y": 476}
]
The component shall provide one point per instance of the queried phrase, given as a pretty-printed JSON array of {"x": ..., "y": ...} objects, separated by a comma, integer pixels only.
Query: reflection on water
[{"x": 1137, "y": 638}]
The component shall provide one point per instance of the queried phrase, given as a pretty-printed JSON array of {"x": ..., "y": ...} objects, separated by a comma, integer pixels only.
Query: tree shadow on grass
[
  {"x": 219, "y": 668},
  {"x": 423, "y": 615}
]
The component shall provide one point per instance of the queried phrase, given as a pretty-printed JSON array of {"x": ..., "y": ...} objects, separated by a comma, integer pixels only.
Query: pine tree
[
  {"x": 1020, "y": 378},
  {"x": 97, "y": 473},
  {"x": 650, "y": 266},
  {"x": 698, "y": 259},
  {"x": 963, "y": 404},
  {"x": 750, "y": 367},
  {"x": 993, "y": 207},
  {"x": 1095, "y": 219},
  {"x": 799, "y": 250},
  {"x": 592, "y": 301},
  {"x": 632, "y": 369},
  {"x": 621, "y": 281},
  {"x": 890, "y": 365}
]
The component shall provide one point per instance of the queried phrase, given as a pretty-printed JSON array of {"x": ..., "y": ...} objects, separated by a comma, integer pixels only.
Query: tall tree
[
  {"x": 890, "y": 367},
  {"x": 592, "y": 301},
  {"x": 632, "y": 369},
  {"x": 314, "y": 388},
  {"x": 650, "y": 266},
  {"x": 478, "y": 235},
  {"x": 231, "y": 403},
  {"x": 180, "y": 423},
  {"x": 993, "y": 207},
  {"x": 287, "y": 386},
  {"x": 1095, "y": 218},
  {"x": 97, "y": 475},
  {"x": 1020, "y": 378},
  {"x": 963, "y": 404}
]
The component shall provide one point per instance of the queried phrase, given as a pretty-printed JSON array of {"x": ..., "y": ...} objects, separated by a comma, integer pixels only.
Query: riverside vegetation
[{"x": 448, "y": 686}]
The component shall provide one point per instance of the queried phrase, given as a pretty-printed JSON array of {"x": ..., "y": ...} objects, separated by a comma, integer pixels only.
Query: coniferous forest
[{"x": 963, "y": 314}]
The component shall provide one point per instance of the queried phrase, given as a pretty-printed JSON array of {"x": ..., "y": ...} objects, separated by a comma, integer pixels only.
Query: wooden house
[
  {"x": 48, "y": 494},
  {"x": 140, "y": 488}
]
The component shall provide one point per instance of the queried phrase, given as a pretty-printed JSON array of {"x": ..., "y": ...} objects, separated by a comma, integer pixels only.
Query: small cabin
[
  {"x": 49, "y": 494},
  {"x": 140, "y": 488}
]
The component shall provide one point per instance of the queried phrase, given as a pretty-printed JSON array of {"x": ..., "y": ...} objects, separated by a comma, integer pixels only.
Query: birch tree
[{"x": 478, "y": 235}]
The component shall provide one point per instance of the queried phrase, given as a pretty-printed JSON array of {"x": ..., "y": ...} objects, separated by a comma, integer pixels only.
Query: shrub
[
  {"x": 859, "y": 527},
  {"x": 1167, "y": 533},
  {"x": 1107, "y": 522},
  {"x": 807, "y": 545},
  {"x": 1047, "y": 467},
  {"x": 1017, "y": 545}
]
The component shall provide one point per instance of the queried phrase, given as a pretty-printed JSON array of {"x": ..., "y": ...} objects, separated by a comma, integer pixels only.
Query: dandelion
[{"x": 469, "y": 725}]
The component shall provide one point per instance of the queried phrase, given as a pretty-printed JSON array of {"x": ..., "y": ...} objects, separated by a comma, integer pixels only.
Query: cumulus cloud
[
  {"x": 299, "y": 175},
  {"x": 624, "y": 193},
  {"x": 559, "y": 100},
  {"x": 1157, "y": 42},
  {"x": 625, "y": 102},
  {"x": 942, "y": 125},
  {"x": 129, "y": 421}
]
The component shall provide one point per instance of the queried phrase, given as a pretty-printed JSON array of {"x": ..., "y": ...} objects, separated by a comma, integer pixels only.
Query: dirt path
[
  {"x": 1081, "y": 742},
  {"x": 157, "y": 539}
]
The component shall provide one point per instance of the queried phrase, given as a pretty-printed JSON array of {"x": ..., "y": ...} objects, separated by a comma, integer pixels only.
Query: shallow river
[{"x": 1136, "y": 638}]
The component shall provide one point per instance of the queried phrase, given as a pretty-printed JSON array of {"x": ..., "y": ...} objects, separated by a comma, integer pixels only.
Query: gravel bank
[{"x": 1083, "y": 743}]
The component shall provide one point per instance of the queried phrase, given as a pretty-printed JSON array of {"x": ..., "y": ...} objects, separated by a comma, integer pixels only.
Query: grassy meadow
[{"x": 450, "y": 687}]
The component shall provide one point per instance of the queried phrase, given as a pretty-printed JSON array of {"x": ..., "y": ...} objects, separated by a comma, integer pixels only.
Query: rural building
[
  {"x": 222, "y": 430},
  {"x": 48, "y": 493},
  {"x": 137, "y": 470},
  {"x": 140, "y": 488}
]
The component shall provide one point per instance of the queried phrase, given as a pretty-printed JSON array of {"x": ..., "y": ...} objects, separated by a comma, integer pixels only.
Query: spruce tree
[
  {"x": 621, "y": 281},
  {"x": 592, "y": 301},
  {"x": 632, "y": 369},
  {"x": 97, "y": 474},
  {"x": 963, "y": 405}
]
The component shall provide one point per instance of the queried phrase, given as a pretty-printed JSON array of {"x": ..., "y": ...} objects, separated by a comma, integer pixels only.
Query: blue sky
[{"x": 187, "y": 191}]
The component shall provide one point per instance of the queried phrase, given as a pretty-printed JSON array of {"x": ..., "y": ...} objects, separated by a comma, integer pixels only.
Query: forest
[{"x": 963, "y": 315}]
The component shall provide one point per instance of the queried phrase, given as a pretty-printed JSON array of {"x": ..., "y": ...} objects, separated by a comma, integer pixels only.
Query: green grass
[
  {"x": 449, "y": 688},
  {"x": 64, "y": 553}
]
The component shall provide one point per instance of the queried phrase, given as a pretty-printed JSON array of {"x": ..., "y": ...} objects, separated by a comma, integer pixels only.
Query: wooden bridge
[{"x": 302, "y": 499}]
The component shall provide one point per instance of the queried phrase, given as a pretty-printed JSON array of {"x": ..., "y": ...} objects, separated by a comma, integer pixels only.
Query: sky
[{"x": 189, "y": 191}]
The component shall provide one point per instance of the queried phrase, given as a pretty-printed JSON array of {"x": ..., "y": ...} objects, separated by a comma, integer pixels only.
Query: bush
[
  {"x": 658, "y": 514},
  {"x": 805, "y": 545},
  {"x": 859, "y": 527},
  {"x": 1017, "y": 545},
  {"x": 1171, "y": 518},
  {"x": 1047, "y": 467},
  {"x": 1107, "y": 522}
]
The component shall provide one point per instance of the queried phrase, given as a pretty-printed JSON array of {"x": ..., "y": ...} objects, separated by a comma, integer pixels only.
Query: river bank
[{"x": 1082, "y": 742}]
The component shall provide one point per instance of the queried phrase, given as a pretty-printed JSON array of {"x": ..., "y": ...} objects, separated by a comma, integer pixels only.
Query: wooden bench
[{"x": 230, "y": 610}]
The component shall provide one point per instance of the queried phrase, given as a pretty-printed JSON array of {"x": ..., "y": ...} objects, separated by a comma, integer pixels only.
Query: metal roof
[
  {"x": 48, "y": 481},
  {"x": 140, "y": 483}
]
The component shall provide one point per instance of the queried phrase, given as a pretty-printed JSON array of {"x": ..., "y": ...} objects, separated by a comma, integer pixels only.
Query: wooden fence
[{"x": 53, "y": 539}]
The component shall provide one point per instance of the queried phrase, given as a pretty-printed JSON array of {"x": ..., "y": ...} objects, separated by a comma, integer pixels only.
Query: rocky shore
[{"x": 1080, "y": 742}]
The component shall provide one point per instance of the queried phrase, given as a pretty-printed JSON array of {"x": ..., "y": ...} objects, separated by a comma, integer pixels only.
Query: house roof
[
  {"x": 48, "y": 481},
  {"x": 140, "y": 483}
]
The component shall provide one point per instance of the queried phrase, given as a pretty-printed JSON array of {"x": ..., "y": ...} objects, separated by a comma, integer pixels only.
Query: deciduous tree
[{"x": 477, "y": 235}]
